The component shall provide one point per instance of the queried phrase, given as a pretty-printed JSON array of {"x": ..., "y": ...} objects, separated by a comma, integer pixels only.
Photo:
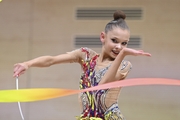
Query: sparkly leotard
[{"x": 100, "y": 104}]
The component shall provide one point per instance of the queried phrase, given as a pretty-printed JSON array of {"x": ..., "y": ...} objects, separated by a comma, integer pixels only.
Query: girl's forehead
[{"x": 118, "y": 32}]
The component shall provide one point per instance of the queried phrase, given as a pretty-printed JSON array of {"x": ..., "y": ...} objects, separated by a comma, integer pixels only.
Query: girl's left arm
[{"x": 113, "y": 73}]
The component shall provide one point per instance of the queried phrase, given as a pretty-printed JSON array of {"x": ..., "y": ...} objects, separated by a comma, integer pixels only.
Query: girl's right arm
[{"x": 46, "y": 61}]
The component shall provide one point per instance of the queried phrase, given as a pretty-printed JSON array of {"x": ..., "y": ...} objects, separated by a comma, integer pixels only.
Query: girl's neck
[{"x": 104, "y": 59}]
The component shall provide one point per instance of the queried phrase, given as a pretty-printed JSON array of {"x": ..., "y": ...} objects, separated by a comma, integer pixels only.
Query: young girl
[{"x": 108, "y": 66}]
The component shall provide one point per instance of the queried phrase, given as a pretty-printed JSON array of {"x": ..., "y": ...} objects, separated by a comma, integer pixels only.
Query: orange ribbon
[{"x": 37, "y": 94}]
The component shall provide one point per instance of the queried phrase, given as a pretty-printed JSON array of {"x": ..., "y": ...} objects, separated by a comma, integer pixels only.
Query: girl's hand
[
  {"x": 129, "y": 51},
  {"x": 19, "y": 69}
]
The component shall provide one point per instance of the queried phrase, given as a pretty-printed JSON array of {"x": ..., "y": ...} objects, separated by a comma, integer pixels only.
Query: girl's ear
[{"x": 102, "y": 37}]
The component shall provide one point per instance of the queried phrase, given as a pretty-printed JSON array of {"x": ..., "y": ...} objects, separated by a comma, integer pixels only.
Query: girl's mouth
[{"x": 115, "y": 52}]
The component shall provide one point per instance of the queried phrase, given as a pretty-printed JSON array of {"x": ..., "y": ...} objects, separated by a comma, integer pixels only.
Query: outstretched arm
[
  {"x": 112, "y": 74},
  {"x": 44, "y": 61}
]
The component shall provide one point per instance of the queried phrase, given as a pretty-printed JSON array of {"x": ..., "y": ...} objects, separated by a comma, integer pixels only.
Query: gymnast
[{"x": 108, "y": 66}]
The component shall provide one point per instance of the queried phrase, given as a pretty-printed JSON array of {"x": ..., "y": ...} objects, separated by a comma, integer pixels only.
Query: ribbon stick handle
[{"x": 19, "y": 105}]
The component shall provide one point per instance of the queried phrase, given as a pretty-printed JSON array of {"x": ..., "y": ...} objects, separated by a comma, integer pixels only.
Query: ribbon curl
[{"x": 37, "y": 94}]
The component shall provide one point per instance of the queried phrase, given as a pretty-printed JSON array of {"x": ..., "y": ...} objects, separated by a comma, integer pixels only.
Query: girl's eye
[
  {"x": 124, "y": 43},
  {"x": 114, "y": 41}
]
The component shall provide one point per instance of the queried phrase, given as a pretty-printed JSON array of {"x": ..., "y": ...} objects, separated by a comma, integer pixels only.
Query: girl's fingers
[
  {"x": 148, "y": 54},
  {"x": 18, "y": 70},
  {"x": 145, "y": 54},
  {"x": 16, "y": 67},
  {"x": 21, "y": 73},
  {"x": 130, "y": 51}
]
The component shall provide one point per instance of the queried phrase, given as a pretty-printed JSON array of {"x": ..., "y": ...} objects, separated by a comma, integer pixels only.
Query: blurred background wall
[{"x": 32, "y": 28}]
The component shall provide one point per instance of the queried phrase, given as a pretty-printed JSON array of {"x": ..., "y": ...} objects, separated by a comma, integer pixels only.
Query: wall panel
[{"x": 31, "y": 28}]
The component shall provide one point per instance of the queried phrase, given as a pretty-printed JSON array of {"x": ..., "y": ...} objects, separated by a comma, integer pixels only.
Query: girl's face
[{"x": 114, "y": 41}]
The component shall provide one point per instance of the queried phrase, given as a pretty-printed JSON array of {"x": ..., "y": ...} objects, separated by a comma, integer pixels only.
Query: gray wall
[{"x": 32, "y": 28}]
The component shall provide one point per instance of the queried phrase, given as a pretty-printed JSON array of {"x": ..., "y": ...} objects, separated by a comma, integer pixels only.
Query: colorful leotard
[{"x": 100, "y": 104}]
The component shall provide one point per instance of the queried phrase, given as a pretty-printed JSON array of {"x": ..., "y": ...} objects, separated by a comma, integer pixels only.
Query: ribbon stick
[
  {"x": 19, "y": 105},
  {"x": 30, "y": 95}
]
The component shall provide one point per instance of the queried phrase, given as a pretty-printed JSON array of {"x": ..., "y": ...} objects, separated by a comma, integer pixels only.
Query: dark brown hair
[{"x": 119, "y": 21}]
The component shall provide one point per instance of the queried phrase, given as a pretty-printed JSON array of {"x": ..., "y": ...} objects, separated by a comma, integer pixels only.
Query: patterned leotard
[{"x": 97, "y": 105}]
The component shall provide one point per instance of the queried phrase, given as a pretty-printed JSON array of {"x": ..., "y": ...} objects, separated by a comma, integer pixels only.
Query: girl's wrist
[
  {"x": 26, "y": 65},
  {"x": 122, "y": 53}
]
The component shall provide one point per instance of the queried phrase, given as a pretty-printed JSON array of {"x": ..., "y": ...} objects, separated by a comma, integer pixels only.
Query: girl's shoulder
[
  {"x": 83, "y": 53},
  {"x": 124, "y": 68},
  {"x": 87, "y": 50},
  {"x": 125, "y": 65},
  {"x": 83, "y": 50}
]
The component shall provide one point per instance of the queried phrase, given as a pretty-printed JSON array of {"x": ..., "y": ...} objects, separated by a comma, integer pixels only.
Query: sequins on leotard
[{"x": 93, "y": 102}]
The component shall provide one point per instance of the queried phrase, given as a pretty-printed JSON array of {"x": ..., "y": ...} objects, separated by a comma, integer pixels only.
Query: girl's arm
[
  {"x": 46, "y": 61},
  {"x": 113, "y": 74}
]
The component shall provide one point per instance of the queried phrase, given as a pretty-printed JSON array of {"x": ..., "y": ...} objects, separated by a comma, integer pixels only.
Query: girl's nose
[{"x": 118, "y": 46}]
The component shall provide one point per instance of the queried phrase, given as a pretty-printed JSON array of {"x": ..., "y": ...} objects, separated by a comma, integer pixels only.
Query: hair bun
[{"x": 119, "y": 14}]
